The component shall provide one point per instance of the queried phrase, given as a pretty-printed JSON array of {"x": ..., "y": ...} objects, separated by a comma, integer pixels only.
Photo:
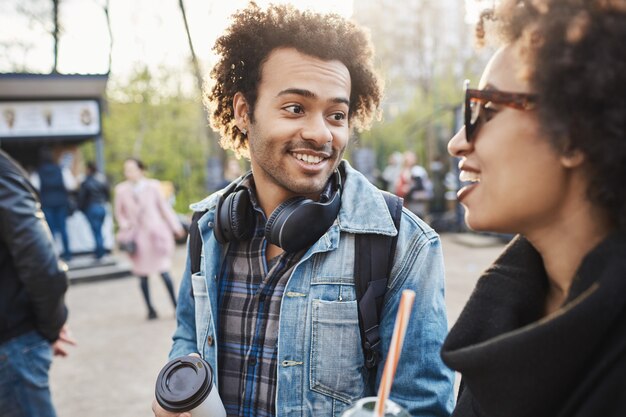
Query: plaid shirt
[{"x": 250, "y": 294}]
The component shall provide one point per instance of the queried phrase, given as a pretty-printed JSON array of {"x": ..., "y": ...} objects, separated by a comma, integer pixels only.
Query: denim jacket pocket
[{"x": 336, "y": 354}]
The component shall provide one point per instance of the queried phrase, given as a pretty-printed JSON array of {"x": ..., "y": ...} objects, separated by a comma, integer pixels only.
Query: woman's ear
[{"x": 240, "y": 106}]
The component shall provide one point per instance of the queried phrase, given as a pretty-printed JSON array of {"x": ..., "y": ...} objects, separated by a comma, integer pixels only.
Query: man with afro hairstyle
[{"x": 272, "y": 304}]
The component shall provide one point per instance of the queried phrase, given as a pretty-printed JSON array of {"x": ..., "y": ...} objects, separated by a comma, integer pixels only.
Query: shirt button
[
  {"x": 210, "y": 224},
  {"x": 209, "y": 340}
]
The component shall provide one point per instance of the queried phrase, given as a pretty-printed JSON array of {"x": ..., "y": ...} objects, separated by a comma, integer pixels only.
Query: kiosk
[{"x": 62, "y": 113}]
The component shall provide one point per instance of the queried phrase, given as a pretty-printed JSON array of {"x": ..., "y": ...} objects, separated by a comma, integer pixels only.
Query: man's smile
[{"x": 310, "y": 159}]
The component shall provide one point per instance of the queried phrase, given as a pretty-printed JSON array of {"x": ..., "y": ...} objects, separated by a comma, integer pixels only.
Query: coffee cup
[{"x": 186, "y": 384}]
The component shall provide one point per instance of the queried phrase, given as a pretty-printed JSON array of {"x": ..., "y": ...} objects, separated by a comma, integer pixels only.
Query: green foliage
[
  {"x": 424, "y": 127},
  {"x": 166, "y": 132},
  {"x": 424, "y": 50}
]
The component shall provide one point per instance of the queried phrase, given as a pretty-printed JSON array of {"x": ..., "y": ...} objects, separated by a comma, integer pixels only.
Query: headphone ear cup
[
  {"x": 218, "y": 230},
  {"x": 275, "y": 223},
  {"x": 235, "y": 218},
  {"x": 242, "y": 215}
]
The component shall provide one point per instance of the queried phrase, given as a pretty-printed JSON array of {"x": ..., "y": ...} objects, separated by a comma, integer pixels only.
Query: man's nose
[{"x": 316, "y": 129}]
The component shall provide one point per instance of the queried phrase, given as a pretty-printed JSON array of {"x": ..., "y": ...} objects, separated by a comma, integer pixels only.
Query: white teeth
[
  {"x": 308, "y": 158},
  {"x": 467, "y": 176}
]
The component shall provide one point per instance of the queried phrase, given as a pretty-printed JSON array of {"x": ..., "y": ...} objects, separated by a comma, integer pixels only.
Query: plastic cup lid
[{"x": 183, "y": 383}]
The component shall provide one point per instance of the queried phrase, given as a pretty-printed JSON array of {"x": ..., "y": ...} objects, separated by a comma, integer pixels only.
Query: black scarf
[{"x": 516, "y": 363}]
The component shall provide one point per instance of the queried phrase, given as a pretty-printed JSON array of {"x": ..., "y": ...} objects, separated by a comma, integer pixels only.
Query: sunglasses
[{"x": 476, "y": 99}]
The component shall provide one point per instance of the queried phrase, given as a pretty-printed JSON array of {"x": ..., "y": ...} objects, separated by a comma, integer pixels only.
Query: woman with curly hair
[{"x": 543, "y": 153}]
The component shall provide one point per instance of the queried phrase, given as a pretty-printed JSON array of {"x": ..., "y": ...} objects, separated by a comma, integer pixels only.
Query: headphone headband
[{"x": 294, "y": 225}]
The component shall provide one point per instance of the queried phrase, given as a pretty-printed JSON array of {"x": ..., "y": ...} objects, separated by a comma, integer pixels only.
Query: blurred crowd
[{"x": 428, "y": 191}]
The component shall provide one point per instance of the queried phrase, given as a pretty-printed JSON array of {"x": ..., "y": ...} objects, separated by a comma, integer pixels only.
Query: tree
[
  {"x": 105, "y": 9},
  {"x": 217, "y": 157},
  {"x": 424, "y": 50},
  {"x": 162, "y": 129},
  {"x": 55, "y": 33}
]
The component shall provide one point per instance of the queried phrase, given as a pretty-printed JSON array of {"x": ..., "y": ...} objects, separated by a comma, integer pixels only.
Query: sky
[{"x": 145, "y": 32}]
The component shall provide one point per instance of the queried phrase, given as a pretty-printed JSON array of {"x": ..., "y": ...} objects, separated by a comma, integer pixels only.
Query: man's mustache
[{"x": 303, "y": 145}]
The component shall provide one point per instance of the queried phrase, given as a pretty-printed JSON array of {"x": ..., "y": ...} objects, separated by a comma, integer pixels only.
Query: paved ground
[{"x": 112, "y": 371}]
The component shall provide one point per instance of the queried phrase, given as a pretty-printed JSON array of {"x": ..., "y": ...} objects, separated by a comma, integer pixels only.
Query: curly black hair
[
  {"x": 255, "y": 33},
  {"x": 575, "y": 57}
]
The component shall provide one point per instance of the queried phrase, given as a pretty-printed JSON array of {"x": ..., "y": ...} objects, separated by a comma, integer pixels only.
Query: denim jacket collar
[
  {"x": 363, "y": 208},
  {"x": 320, "y": 290}
]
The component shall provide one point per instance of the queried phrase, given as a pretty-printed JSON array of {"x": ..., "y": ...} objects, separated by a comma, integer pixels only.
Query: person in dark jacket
[
  {"x": 32, "y": 287},
  {"x": 543, "y": 154},
  {"x": 92, "y": 198},
  {"x": 54, "y": 184}
]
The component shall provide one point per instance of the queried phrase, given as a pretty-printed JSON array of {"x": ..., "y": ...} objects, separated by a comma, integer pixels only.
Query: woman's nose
[{"x": 458, "y": 145}]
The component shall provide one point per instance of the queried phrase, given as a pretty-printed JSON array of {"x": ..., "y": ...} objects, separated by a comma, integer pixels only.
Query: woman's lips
[
  {"x": 469, "y": 178},
  {"x": 463, "y": 192}
]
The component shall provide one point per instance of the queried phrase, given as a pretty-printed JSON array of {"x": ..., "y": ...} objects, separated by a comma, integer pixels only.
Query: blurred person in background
[
  {"x": 32, "y": 289},
  {"x": 414, "y": 185},
  {"x": 55, "y": 184},
  {"x": 543, "y": 154},
  {"x": 93, "y": 196},
  {"x": 437, "y": 208},
  {"x": 232, "y": 171},
  {"x": 392, "y": 171},
  {"x": 149, "y": 222}
]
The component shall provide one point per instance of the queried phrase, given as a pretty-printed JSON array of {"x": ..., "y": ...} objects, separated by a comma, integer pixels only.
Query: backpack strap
[
  {"x": 373, "y": 260},
  {"x": 195, "y": 242}
]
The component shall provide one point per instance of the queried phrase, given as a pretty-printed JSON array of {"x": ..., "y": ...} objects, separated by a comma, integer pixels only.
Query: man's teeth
[
  {"x": 309, "y": 158},
  {"x": 467, "y": 176}
]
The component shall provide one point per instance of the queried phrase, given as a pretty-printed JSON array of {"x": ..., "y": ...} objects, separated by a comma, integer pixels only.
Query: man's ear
[
  {"x": 240, "y": 106},
  {"x": 572, "y": 158}
]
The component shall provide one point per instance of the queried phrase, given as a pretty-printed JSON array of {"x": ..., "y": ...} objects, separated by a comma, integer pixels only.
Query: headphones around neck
[{"x": 295, "y": 224}]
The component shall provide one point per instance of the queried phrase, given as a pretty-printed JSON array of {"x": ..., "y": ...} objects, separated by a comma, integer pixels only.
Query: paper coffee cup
[{"x": 185, "y": 384}]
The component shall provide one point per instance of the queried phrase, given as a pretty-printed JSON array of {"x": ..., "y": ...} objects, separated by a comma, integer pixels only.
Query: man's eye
[
  {"x": 338, "y": 116},
  {"x": 295, "y": 109}
]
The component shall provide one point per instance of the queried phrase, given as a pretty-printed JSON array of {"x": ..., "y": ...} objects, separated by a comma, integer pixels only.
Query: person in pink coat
[{"x": 144, "y": 217}]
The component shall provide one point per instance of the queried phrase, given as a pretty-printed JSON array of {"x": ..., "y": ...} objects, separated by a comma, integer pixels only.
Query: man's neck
[
  {"x": 263, "y": 199},
  {"x": 270, "y": 195}
]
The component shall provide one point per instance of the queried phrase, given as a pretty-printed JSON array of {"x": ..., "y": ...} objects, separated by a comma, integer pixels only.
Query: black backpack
[{"x": 372, "y": 266}]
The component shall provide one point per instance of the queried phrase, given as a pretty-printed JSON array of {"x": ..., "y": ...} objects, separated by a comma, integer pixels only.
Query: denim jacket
[{"x": 320, "y": 359}]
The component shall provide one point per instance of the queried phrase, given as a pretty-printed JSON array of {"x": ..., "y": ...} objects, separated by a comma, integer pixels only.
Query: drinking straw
[{"x": 395, "y": 347}]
